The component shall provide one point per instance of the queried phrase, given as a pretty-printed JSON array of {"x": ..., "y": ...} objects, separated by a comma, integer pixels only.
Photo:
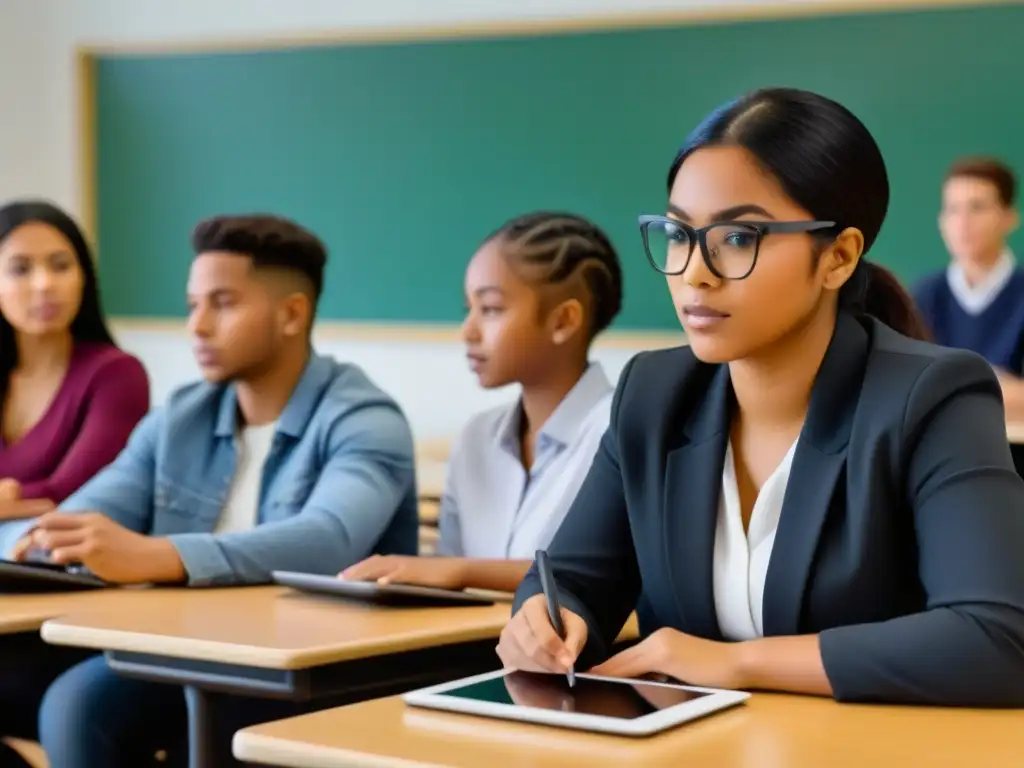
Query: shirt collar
[
  {"x": 294, "y": 419},
  {"x": 564, "y": 424},
  {"x": 976, "y": 298}
]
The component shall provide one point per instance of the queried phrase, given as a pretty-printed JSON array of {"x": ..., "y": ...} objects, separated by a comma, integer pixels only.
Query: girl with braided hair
[{"x": 538, "y": 291}]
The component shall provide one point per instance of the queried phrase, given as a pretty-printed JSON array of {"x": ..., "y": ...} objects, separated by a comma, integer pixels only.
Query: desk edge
[
  {"x": 55, "y": 632},
  {"x": 255, "y": 747}
]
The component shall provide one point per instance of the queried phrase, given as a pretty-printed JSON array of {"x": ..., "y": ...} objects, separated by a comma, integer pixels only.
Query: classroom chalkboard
[{"x": 403, "y": 155}]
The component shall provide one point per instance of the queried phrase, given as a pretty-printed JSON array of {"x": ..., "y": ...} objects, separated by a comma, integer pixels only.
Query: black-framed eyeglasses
[{"x": 729, "y": 248}]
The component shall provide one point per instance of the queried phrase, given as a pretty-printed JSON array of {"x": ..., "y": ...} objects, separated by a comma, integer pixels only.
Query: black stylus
[{"x": 547, "y": 583}]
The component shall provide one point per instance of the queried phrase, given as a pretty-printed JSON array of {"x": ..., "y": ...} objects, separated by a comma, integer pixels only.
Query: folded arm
[
  {"x": 119, "y": 402},
  {"x": 967, "y": 647},
  {"x": 123, "y": 491}
]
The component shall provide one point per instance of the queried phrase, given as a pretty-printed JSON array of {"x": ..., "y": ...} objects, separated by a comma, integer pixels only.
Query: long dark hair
[
  {"x": 89, "y": 324},
  {"x": 828, "y": 162}
]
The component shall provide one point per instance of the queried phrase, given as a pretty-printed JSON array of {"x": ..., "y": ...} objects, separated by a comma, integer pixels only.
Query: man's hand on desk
[
  {"x": 109, "y": 550},
  {"x": 439, "y": 572}
]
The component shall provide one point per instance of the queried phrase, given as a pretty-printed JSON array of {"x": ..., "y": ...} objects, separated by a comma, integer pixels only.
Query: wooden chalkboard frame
[{"x": 87, "y": 54}]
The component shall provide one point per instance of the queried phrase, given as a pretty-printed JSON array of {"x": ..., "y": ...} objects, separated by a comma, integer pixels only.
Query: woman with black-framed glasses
[{"x": 807, "y": 497}]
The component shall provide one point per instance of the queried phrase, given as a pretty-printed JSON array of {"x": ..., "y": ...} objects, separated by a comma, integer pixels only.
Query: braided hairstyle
[{"x": 560, "y": 249}]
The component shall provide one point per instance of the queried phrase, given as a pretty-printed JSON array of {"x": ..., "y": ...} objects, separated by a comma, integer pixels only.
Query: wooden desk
[
  {"x": 434, "y": 449},
  {"x": 430, "y": 477},
  {"x": 1015, "y": 436},
  {"x": 275, "y": 643},
  {"x": 430, "y": 511},
  {"x": 27, "y": 613},
  {"x": 770, "y": 731},
  {"x": 269, "y": 627},
  {"x": 429, "y": 536}
]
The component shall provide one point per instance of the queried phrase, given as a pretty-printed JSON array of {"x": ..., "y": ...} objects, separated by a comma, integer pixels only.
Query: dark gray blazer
[{"x": 902, "y": 533}]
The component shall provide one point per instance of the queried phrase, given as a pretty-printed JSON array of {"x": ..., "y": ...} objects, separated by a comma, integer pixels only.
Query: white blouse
[
  {"x": 741, "y": 558},
  {"x": 491, "y": 506}
]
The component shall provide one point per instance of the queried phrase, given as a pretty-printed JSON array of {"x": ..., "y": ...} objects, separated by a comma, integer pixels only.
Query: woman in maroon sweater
[{"x": 70, "y": 396}]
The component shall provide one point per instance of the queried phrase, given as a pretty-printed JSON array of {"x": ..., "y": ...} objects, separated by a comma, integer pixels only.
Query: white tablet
[{"x": 605, "y": 704}]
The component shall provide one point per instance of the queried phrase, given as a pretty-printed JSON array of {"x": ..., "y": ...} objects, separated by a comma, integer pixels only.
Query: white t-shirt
[{"x": 241, "y": 510}]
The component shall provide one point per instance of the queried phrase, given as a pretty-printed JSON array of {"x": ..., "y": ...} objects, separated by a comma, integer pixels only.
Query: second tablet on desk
[
  {"x": 399, "y": 595},
  {"x": 604, "y": 704},
  {"x": 22, "y": 578}
]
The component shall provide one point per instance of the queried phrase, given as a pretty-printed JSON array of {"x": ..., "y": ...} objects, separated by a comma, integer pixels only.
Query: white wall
[
  {"x": 429, "y": 379},
  {"x": 39, "y": 139},
  {"x": 28, "y": 62}
]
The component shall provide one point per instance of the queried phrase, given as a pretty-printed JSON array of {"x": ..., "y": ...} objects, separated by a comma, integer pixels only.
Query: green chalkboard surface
[{"x": 402, "y": 156}]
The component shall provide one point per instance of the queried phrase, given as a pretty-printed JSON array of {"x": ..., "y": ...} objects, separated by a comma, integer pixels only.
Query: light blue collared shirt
[
  {"x": 491, "y": 506},
  {"x": 337, "y": 486}
]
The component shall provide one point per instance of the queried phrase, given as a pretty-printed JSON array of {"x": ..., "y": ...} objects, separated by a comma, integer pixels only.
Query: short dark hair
[
  {"x": 989, "y": 169},
  {"x": 270, "y": 241},
  {"x": 828, "y": 162},
  {"x": 554, "y": 247}
]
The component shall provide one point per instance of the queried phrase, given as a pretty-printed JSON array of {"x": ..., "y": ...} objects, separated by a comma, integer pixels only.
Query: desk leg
[
  {"x": 201, "y": 738},
  {"x": 209, "y": 686}
]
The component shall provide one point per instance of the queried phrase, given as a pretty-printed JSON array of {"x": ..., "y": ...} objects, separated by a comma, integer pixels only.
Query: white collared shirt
[
  {"x": 741, "y": 557},
  {"x": 491, "y": 507},
  {"x": 975, "y": 299}
]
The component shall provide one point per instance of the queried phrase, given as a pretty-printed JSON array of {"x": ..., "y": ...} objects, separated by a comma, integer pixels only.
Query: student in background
[
  {"x": 807, "y": 498},
  {"x": 70, "y": 397},
  {"x": 538, "y": 291},
  {"x": 281, "y": 460},
  {"x": 977, "y": 303}
]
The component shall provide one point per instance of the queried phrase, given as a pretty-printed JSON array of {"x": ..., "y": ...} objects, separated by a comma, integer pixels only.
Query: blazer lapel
[
  {"x": 814, "y": 476},
  {"x": 813, "y": 479},
  {"x": 693, "y": 482}
]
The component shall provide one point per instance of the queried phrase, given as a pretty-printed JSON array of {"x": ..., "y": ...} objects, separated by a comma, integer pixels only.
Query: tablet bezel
[
  {"x": 370, "y": 591},
  {"x": 655, "y": 722},
  {"x": 38, "y": 579}
]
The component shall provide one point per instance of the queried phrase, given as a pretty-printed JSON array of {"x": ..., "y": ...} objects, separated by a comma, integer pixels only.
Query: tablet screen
[{"x": 605, "y": 698}]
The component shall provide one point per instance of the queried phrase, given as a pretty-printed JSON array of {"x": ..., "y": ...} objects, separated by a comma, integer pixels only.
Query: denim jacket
[{"x": 338, "y": 484}]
